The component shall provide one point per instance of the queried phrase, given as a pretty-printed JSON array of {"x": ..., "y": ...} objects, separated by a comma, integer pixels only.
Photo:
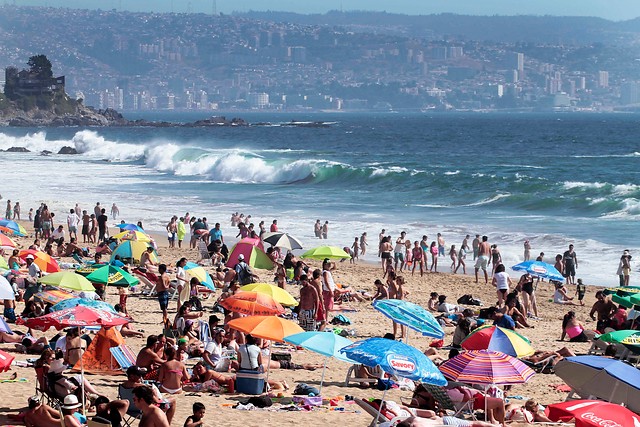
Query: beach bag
[
  {"x": 468, "y": 299},
  {"x": 306, "y": 390},
  {"x": 341, "y": 319},
  {"x": 195, "y": 303},
  {"x": 261, "y": 401}
]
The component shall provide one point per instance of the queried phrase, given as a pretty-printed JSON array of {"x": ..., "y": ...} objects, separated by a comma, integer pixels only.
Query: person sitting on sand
[
  {"x": 148, "y": 357},
  {"x": 500, "y": 319},
  {"x": 134, "y": 379},
  {"x": 203, "y": 379},
  {"x": 560, "y": 295},
  {"x": 510, "y": 309},
  {"x": 172, "y": 373},
  {"x": 572, "y": 328},
  {"x": 40, "y": 414},
  {"x": 433, "y": 302},
  {"x": 381, "y": 290}
]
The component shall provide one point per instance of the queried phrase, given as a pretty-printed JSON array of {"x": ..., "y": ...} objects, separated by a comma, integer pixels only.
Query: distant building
[
  {"x": 630, "y": 93},
  {"x": 258, "y": 99},
  {"x": 25, "y": 83},
  {"x": 298, "y": 54},
  {"x": 516, "y": 61},
  {"x": 603, "y": 79}
]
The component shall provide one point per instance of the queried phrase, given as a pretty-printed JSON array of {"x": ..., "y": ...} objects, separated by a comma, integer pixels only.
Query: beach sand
[{"x": 365, "y": 320}]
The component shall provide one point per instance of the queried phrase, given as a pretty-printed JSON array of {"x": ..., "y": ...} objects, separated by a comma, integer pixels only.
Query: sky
[{"x": 616, "y": 10}]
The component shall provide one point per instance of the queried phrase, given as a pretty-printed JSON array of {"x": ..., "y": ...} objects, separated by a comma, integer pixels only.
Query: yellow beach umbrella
[
  {"x": 278, "y": 294},
  {"x": 68, "y": 280},
  {"x": 136, "y": 236}
]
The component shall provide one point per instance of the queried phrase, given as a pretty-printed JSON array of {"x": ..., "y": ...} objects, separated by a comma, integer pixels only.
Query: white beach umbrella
[{"x": 6, "y": 291}]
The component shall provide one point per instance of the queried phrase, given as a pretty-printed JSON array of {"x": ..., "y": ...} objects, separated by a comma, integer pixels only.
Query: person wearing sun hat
[
  {"x": 68, "y": 408},
  {"x": 32, "y": 286}
]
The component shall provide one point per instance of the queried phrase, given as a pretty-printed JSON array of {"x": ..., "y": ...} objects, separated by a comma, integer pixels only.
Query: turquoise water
[{"x": 552, "y": 179}]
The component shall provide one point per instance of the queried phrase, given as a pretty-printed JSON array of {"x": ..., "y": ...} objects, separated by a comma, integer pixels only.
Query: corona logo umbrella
[
  {"x": 322, "y": 252},
  {"x": 252, "y": 303},
  {"x": 68, "y": 280},
  {"x": 6, "y": 243},
  {"x": 278, "y": 294},
  {"x": 112, "y": 276},
  {"x": 253, "y": 255},
  {"x": 42, "y": 260},
  {"x": 15, "y": 228},
  {"x": 132, "y": 249}
]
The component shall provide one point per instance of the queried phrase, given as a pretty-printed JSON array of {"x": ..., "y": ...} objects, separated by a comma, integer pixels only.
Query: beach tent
[
  {"x": 255, "y": 241},
  {"x": 97, "y": 357},
  {"x": 253, "y": 255}
]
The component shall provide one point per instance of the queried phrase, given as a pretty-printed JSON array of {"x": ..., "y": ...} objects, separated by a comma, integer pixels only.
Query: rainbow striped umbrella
[
  {"x": 498, "y": 339},
  {"x": 486, "y": 367}
]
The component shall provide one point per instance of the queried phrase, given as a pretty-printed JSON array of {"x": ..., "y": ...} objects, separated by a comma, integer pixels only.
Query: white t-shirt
[
  {"x": 400, "y": 246},
  {"x": 329, "y": 284},
  {"x": 57, "y": 234},
  {"x": 34, "y": 270},
  {"x": 73, "y": 220},
  {"x": 502, "y": 280}
]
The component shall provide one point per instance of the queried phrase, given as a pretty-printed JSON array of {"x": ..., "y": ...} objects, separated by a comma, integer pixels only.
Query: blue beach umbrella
[
  {"x": 15, "y": 228},
  {"x": 134, "y": 227},
  {"x": 539, "y": 269},
  {"x": 73, "y": 302},
  {"x": 411, "y": 315},
  {"x": 197, "y": 271},
  {"x": 396, "y": 358},
  {"x": 327, "y": 344}
]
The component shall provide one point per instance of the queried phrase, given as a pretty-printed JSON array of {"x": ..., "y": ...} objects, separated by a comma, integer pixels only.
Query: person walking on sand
[
  {"x": 440, "y": 245},
  {"x": 453, "y": 254},
  {"x": 321, "y": 314},
  {"x": 398, "y": 252},
  {"x": 172, "y": 231},
  {"x": 484, "y": 251},
  {"x": 9, "y": 210},
  {"x": 433, "y": 249},
  {"x": 114, "y": 212},
  {"x": 462, "y": 254},
  {"x": 310, "y": 303},
  {"x": 16, "y": 211},
  {"x": 363, "y": 243}
]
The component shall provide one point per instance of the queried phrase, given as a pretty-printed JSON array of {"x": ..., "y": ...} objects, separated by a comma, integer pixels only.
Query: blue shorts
[
  {"x": 399, "y": 256},
  {"x": 163, "y": 299}
]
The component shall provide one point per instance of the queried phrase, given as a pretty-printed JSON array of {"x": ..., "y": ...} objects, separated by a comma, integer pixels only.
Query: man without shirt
[
  {"x": 321, "y": 314},
  {"x": 605, "y": 308},
  {"x": 399, "y": 250},
  {"x": 484, "y": 253},
  {"x": 152, "y": 415},
  {"x": 309, "y": 304},
  {"x": 40, "y": 414},
  {"x": 476, "y": 246}
]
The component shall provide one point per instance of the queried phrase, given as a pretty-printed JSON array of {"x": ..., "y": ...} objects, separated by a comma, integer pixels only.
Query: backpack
[
  {"x": 468, "y": 299},
  {"x": 244, "y": 274}
]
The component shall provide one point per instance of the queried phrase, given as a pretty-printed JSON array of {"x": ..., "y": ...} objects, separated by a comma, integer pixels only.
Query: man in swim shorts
[{"x": 484, "y": 251}]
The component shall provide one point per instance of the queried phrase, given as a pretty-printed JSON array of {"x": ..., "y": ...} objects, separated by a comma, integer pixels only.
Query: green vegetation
[{"x": 40, "y": 65}]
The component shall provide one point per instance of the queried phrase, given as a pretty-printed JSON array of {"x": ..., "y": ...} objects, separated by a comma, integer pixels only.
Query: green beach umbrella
[
  {"x": 322, "y": 252},
  {"x": 87, "y": 269},
  {"x": 623, "y": 290},
  {"x": 3, "y": 263},
  {"x": 112, "y": 276},
  {"x": 68, "y": 280},
  {"x": 623, "y": 336}
]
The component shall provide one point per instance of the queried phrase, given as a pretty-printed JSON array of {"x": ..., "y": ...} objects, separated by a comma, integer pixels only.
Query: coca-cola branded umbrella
[{"x": 593, "y": 413}]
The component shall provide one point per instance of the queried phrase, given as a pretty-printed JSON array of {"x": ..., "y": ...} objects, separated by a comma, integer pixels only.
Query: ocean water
[{"x": 554, "y": 179}]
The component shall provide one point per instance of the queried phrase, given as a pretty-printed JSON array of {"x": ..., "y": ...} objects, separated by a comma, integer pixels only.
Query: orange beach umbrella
[
  {"x": 267, "y": 327},
  {"x": 42, "y": 260},
  {"x": 252, "y": 303}
]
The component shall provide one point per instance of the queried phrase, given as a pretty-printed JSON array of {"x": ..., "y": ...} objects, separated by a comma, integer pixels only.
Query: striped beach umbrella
[
  {"x": 15, "y": 228},
  {"x": 486, "y": 367},
  {"x": 6, "y": 243},
  {"x": 46, "y": 263},
  {"x": 498, "y": 339}
]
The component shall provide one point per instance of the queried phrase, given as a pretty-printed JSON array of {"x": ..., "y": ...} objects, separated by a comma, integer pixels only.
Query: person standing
[
  {"x": 321, "y": 314},
  {"x": 216, "y": 233},
  {"x": 16, "y": 211},
  {"x": 325, "y": 230},
  {"x": 32, "y": 286},
  {"x": 363, "y": 243},
  {"x": 398, "y": 251},
  {"x": 114, "y": 211},
  {"x": 465, "y": 244},
  {"x": 440, "y": 245},
  {"x": 102, "y": 225},
  {"x": 418, "y": 258},
  {"x": 9, "y": 210},
  {"x": 476, "y": 246},
  {"x": 570, "y": 259},
  {"x": 624, "y": 268},
  {"x": 484, "y": 251},
  {"x": 317, "y": 229},
  {"x": 172, "y": 231},
  {"x": 527, "y": 250},
  {"x": 380, "y": 238},
  {"x": 309, "y": 305},
  {"x": 72, "y": 223},
  {"x": 97, "y": 210},
  {"x": 328, "y": 285},
  {"x": 45, "y": 221},
  {"x": 182, "y": 231},
  {"x": 355, "y": 248},
  {"x": 162, "y": 290},
  {"x": 274, "y": 226},
  {"x": 86, "y": 220},
  {"x": 496, "y": 258}
]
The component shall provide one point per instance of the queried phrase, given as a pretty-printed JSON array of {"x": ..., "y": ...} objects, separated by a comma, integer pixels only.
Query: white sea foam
[
  {"x": 578, "y": 184},
  {"x": 456, "y": 172}
]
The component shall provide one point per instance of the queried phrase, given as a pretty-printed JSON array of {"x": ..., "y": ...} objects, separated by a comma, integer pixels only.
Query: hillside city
[{"x": 149, "y": 61}]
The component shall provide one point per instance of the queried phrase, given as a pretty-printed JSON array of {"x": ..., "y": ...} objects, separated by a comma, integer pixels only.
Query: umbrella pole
[
  {"x": 269, "y": 364},
  {"x": 324, "y": 367},
  {"x": 82, "y": 371},
  {"x": 406, "y": 336},
  {"x": 384, "y": 394}
]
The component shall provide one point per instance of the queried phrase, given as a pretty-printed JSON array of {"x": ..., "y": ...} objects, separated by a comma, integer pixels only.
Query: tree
[{"x": 40, "y": 65}]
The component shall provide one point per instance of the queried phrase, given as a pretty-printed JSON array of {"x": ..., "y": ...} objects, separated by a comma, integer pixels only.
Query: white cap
[
  {"x": 29, "y": 257},
  {"x": 240, "y": 257}
]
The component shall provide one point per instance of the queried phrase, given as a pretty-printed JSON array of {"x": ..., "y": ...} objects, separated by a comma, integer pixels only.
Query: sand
[{"x": 366, "y": 321}]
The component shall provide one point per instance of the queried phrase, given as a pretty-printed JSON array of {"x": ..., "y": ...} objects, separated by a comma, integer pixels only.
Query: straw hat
[{"x": 70, "y": 402}]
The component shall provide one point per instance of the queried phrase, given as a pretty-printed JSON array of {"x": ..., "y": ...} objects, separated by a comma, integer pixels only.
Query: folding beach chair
[
  {"x": 203, "y": 251},
  {"x": 370, "y": 409},
  {"x": 376, "y": 371},
  {"x": 133, "y": 413},
  {"x": 205, "y": 333},
  {"x": 123, "y": 356},
  {"x": 442, "y": 398}
]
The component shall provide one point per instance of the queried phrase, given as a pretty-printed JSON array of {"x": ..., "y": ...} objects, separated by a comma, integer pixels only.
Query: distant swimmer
[
  {"x": 484, "y": 251},
  {"x": 527, "y": 250},
  {"x": 325, "y": 230},
  {"x": 475, "y": 245},
  {"x": 115, "y": 211}
]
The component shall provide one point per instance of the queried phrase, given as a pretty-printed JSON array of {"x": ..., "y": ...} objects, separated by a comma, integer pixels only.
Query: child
[
  {"x": 581, "y": 289},
  {"x": 354, "y": 251},
  {"x": 123, "y": 293},
  {"x": 195, "y": 420},
  {"x": 31, "y": 215},
  {"x": 453, "y": 254}
]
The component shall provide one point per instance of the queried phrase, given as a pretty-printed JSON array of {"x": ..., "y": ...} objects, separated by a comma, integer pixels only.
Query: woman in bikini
[
  {"x": 203, "y": 379},
  {"x": 172, "y": 373}
]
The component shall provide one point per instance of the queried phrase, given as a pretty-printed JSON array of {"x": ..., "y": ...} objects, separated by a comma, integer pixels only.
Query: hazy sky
[{"x": 610, "y": 9}]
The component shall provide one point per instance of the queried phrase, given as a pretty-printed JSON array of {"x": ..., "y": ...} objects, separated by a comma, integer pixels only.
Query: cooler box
[{"x": 249, "y": 382}]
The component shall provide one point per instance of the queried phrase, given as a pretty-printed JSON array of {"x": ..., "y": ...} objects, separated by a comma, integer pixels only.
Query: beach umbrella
[
  {"x": 623, "y": 290},
  {"x": 270, "y": 328},
  {"x": 539, "y": 269},
  {"x": 46, "y": 263},
  {"x": 5, "y": 361},
  {"x": 3, "y": 263},
  {"x": 602, "y": 377},
  {"x": 6, "y": 243},
  {"x": 498, "y": 339},
  {"x": 16, "y": 228},
  {"x": 132, "y": 249},
  {"x": 486, "y": 367},
  {"x": 255, "y": 241},
  {"x": 9, "y": 232},
  {"x": 195, "y": 270},
  {"x": 67, "y": 280},
  {"x": 127, "y": 226},
  {"x": 277, "y": 293},
  {"x": 322, "y": 252},
  {"x": 54, "y": 296},
  {"x": 592, "y": 413},
  {"x": 621, "y": 336},
  {"x": 395, "y": 358},
  {"x": 327, "y": 344},
  {"x": 282, "y": 240},
  {"x": 253, "y": 256},
  {"x": 72, "y": 302},
  {"x": 253, "y": 304},
  {"x": 86, "y": 269},
  {"x": 134, "y": 235},
  {"x": 410, "y": 315},
  {"x": 6, "y": 291},
  {"x": 112, "y": 276}
]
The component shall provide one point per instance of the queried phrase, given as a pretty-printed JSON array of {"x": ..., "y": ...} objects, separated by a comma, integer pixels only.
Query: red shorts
[{"x": 321, "y": 316}]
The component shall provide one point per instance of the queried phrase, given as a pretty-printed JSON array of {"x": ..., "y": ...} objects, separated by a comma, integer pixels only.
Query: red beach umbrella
[
  {"x": 76, "y": 316},
  {"x": 593, "y": 413},
  {"x": 5, "y": 361}
]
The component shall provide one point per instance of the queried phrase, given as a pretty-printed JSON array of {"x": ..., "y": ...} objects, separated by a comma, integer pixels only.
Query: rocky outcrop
[
  {"x": 17, "y": 150},
  {"x": 67, "y": 150}
]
